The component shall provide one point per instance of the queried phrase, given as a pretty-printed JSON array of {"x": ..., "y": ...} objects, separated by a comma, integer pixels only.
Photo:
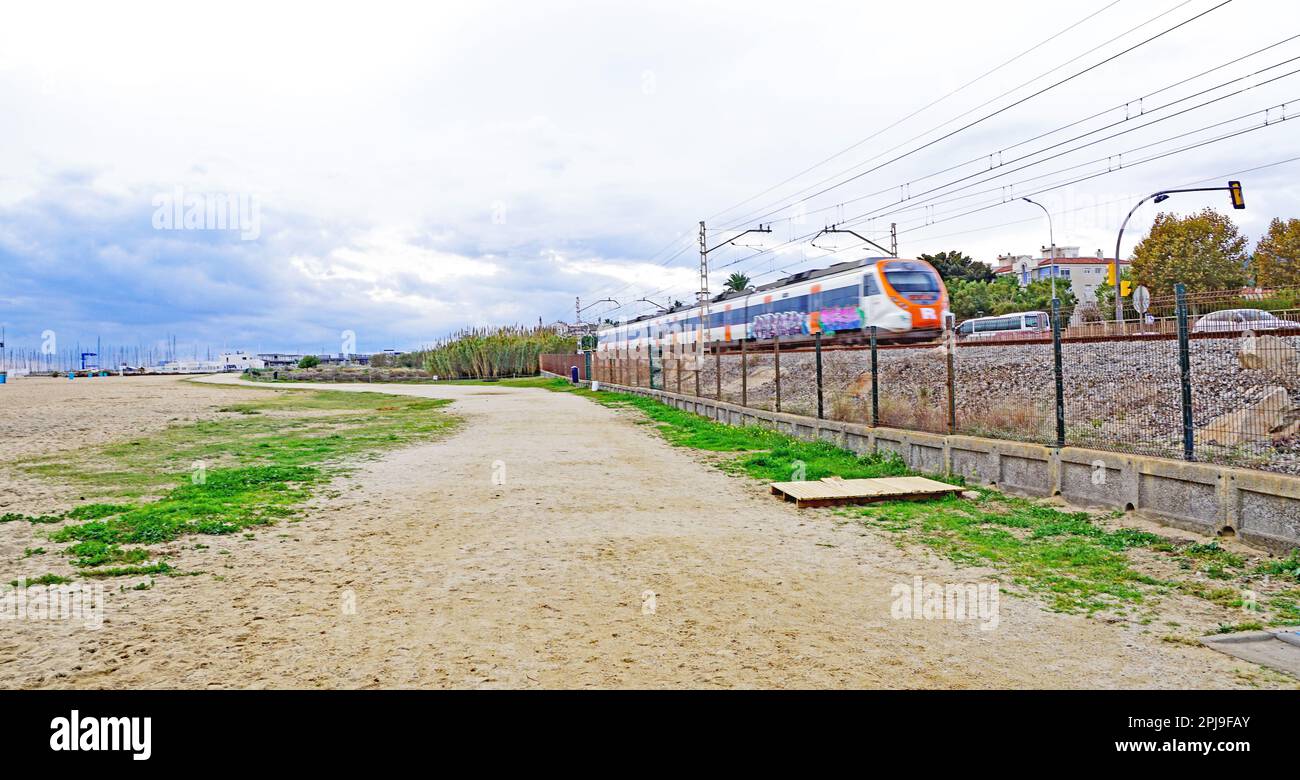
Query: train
[{"x": 903, "y": 299}]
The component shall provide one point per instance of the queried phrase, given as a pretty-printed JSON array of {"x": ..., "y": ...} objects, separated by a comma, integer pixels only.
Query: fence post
[
  {"x": 1185, "y": 372},
  {"x": 951, "y": 339},
  {"x": 875, "y": 386},
  {"x": 677, "y": 370},
  {"x": 636, "y": 369},
  {"x": 699, "y": 363},
  {"x": 744, "y": 372},
  {"x": 717, "y": 366},
  {"x": 820, "y": 411},
  {"x": 776, "y": 364},
  {"x": 1060, "y": 376}
]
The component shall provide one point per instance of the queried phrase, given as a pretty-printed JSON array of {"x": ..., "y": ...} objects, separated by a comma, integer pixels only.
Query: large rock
[
  {"x": 1269, "y": 353},
  {"x": 1260, "y": 422}
]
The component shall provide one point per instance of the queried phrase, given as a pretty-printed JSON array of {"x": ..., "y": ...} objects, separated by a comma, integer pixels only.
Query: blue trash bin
[{"x": 573, "y": 374}]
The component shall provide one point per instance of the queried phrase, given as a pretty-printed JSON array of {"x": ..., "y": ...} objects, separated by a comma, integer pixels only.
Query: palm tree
[{"x": 737, "y": 282}]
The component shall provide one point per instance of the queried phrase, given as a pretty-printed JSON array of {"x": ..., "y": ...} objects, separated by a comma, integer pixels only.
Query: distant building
[
  {"x": 240, "y": 361},
  {"x": 278, "y": 359},
  {"x": 1083, "y": 274}
]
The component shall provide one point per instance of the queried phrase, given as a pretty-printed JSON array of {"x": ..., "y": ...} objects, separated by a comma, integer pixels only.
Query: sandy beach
[{"x": 548, "y": 542}]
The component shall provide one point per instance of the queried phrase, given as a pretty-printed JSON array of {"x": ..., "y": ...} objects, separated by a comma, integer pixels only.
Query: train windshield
[{"x": 912, "y": 280}]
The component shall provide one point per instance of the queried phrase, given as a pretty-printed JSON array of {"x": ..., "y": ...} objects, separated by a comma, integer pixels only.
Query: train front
[{"x": 918, "y": 298}]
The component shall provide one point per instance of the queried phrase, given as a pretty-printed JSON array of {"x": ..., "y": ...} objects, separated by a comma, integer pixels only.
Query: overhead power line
[
  {"x": 759, "y": 217},
  {"x": 918, "y": 111}
]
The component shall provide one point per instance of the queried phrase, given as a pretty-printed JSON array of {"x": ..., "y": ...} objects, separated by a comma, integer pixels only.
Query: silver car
[{"x": 1240, "y": 320}]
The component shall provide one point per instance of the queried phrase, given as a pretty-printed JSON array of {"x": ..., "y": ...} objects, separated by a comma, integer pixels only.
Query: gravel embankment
[{"x": 1118, "y": 395}]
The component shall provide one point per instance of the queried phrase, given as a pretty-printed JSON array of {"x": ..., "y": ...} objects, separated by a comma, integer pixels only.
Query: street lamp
[
  {"x": 1051, "y": 234},
  {"x": 1238, "y": 202}
]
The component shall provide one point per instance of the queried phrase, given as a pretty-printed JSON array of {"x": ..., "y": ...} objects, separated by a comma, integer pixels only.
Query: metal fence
[{"x": 1195, "y": 378}]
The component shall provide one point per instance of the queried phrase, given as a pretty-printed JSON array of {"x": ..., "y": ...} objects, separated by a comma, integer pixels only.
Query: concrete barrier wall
[{"x": 1260, "y": 508}]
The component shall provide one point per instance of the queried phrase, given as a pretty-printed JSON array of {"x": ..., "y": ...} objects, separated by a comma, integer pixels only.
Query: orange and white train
[{"x": 903, "y": 299}]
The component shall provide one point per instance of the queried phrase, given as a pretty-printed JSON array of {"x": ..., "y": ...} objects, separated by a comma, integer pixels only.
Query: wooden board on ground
[
  {"x": 1276, "y": 648},
  {"x": 833, "y": 490}
]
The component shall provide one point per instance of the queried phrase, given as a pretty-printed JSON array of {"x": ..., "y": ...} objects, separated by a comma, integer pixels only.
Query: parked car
[{"x": 1240, "y": 320}]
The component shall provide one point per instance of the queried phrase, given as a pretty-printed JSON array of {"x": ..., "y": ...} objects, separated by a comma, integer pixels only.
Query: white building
[
  {"x": 240, "y": 361},
  {"x": 1083, "y": 274}
]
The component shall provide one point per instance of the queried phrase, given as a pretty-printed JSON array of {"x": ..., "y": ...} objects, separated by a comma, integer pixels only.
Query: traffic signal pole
[{"x": 1238, "y": 202}]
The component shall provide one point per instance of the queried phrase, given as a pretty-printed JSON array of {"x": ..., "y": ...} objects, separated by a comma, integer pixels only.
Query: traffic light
[
  {"x": 1110, "y": 275},
  {"x": 1238, "y": 200},
  {"x": 1125, "y": 287}
]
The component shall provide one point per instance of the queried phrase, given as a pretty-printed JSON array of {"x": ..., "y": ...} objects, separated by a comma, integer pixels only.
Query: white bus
[{"x": 1028, "y": 323}]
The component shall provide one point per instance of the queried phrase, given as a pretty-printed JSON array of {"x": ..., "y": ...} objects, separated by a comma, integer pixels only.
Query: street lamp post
[
  {"x": 1238, "y": 202},
  {"x": 1051, "y": 234}
]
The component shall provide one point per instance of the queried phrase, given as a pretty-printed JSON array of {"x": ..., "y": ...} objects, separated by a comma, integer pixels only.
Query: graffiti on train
[{"x": 797, "y": 323}]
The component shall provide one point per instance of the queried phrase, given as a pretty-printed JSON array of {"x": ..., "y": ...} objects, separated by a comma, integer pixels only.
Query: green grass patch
[
  {"x": 223, "y": 476},
  {"x": 1288, "y": 567},
  {"x": 44, "y": 579},
  {"x": 14, "y": 517},
  {"x": 162, "y": 567}
]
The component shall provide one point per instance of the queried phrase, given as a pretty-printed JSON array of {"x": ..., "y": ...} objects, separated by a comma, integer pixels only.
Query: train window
[
  {"x": 905, "y": 281},
  {"x": 795, "y": 303},
  {"x": 839, "y": 297},
  {"x": 715, "y": 319},
  {"x": 966, "y": 328},
  {"x": 869, "y": 286},
  {"x": 736, "y": 316}
]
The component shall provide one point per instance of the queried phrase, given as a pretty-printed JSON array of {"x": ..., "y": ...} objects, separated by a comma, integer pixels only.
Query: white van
[{"x": 1025, "y": 322}]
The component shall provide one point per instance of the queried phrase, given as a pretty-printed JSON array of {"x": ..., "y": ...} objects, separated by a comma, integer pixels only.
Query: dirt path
[{"x": 423, "y": 572}]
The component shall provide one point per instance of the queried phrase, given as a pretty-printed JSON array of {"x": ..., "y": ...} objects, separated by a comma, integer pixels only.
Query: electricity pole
[{"x": 703, "y": 294}]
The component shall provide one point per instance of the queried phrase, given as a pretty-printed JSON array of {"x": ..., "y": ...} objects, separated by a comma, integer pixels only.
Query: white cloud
[{"x": 421, "y": 166}]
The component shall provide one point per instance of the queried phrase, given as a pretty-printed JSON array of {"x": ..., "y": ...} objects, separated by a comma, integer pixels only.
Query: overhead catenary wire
[
  {"x": 761, "y": 215},
  {"x": 917, "y": 112},
  {"x": 859, "y": 218},
  {"x": 906, "y": 186},
  {"x": 761, "y": 253}
]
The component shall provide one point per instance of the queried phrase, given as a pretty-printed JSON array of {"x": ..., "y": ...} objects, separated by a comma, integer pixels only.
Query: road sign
[{"x": 1141, "y": 299}]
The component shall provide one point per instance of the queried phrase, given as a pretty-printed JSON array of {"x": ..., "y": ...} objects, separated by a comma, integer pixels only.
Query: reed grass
[{"x": 485, "y": 353}]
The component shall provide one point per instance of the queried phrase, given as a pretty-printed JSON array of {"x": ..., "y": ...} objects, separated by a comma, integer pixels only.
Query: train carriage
[{"x": 904, "y": 299}]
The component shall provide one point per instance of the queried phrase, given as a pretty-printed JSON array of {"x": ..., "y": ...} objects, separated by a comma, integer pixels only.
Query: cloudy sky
[{"x": 402, "y": 170}]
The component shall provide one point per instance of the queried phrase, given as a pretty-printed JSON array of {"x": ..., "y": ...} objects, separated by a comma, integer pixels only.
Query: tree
[
  {"x": 1277, "y": 256},
  {"x": 737, "y": 282},
  {"x": 309, "y": 361},
  {"x": 1203, "y": 251},
  {"x": 956, "y": 265},
  {"x": 1003, "y": 295},
  {"x": 1105, "y": 295}
]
